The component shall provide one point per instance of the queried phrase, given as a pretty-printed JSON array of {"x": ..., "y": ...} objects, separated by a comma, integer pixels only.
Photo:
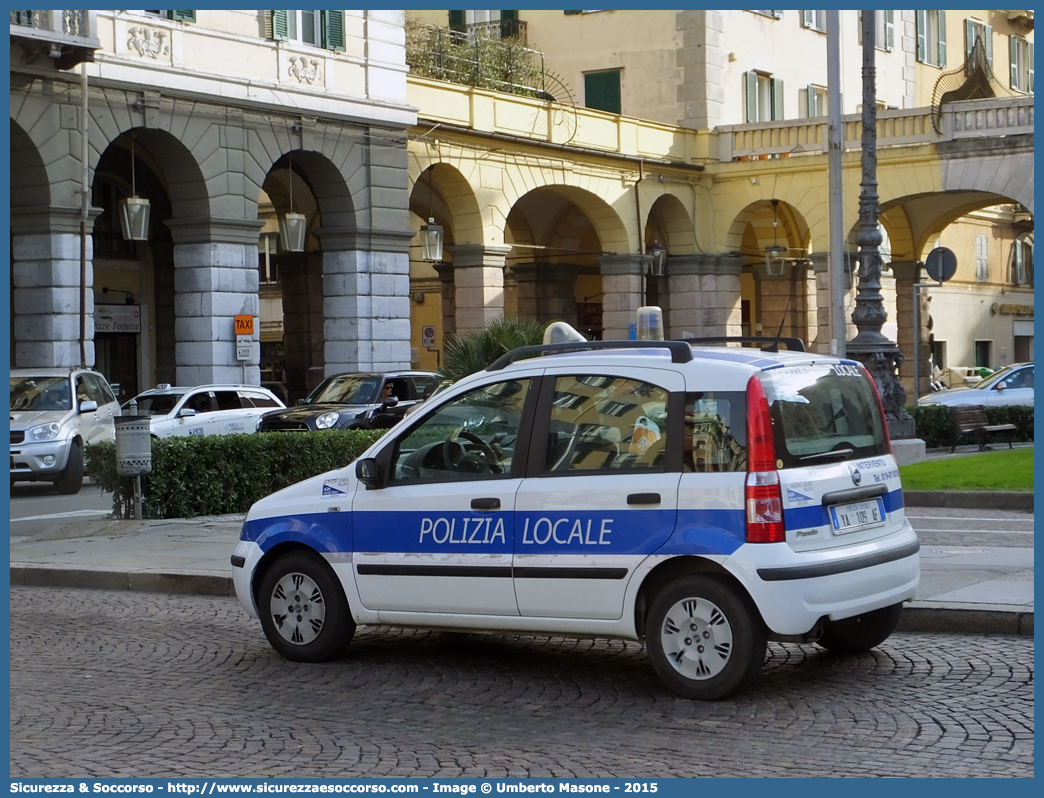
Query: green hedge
[
  {"x": 935, "y": 428},
  {"x": 220, "y": 474}
]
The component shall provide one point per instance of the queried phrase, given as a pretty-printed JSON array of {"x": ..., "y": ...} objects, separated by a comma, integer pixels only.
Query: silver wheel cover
[
  {"x": 696, "y": 638},
  {"x": 298, "y": 609}
]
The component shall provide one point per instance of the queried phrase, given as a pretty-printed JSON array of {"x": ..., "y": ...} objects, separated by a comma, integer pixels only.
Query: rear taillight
[
  {"x": 764, "y": 500},
  {"x": 880, "y": 407}
]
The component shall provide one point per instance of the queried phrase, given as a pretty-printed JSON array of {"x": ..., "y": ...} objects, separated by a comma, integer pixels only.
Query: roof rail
[
  {"x": 680, "y": 351},
  {"x": 772, "y": 343}
]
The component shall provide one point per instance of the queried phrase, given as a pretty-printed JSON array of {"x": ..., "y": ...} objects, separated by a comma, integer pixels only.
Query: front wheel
[
  {"x": 861, "y": 633},
  {"x": 705, "y": 640},
  {"x": 303, "y": 610},
  {"x": 71, "y": 479}
]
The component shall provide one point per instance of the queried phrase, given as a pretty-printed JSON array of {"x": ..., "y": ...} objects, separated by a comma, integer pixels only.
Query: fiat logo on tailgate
[{"x": 856, "y": 476}]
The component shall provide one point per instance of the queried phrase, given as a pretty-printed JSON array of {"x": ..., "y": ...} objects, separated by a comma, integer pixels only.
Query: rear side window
[
  {"x": 257, "y": 400},
  {"x": 227, "y": 400},
  {"x": 823, "y": 414},
  {"x": 424, "y": 386},
  {"x": 715, "y": 432}
]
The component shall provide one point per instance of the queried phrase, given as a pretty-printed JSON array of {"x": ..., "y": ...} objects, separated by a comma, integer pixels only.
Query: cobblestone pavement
[
  {"x": 957, "y": 526},
  {"x": 121, "y": 684}
]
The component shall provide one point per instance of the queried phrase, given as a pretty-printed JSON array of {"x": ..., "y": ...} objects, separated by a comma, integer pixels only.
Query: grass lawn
[{"x": 1003, "y": 470}]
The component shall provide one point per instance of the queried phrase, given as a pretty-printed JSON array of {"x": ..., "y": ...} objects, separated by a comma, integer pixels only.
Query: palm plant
[{"x": 466, "y": 354}]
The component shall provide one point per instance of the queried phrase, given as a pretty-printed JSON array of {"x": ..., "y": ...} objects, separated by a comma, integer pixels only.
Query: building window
[
  {"x": 177, "y": 16},
  {"x": 983, "y": 354},
  {"x": 318, "y": 28},
  {"x": 813, "y": 101},
  {"x": 602, "y": 91},
  {"x": 884, "y": 30},
  {"x": 816, "y": 20},
  {"x": 1021, "y": 262},
  {"x": 267, "y": 248},
  {"x": 975, "y": 31},
  {"x": 1020, "y": 53},
  {"x": 982, "y": 269},
  {"x": 762, "y": 96},
  {"x": 931, "y": 38},
  {"x": 773, "y": 14}
]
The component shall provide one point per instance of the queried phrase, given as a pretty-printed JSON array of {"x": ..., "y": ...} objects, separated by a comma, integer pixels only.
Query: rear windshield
[{"x": 822, "y": 414}]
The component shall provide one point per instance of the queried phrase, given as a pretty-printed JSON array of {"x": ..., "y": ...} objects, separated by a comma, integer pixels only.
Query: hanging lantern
[
  {"x": 431, "y": 241},
  {"x": 134, "y": 218},
  {"x": 774, "y": 259},
  {"x": 292, "y": 230},
  {"x": 659, "y": 259}
]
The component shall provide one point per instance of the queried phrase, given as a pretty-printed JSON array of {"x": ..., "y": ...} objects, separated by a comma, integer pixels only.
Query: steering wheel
[{"x": 473, "y": 457}]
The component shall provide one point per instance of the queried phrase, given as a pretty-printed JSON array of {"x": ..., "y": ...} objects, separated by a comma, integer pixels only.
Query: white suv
[
  {"x": 203, "y": 410},
  {"x": 704, "y": 499},
  {"x": 54, "y": 413}
]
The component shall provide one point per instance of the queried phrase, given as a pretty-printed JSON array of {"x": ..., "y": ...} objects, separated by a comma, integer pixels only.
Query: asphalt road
[
  {"x": 36, "y": 506},
  {"x": 107, "y": 684}
]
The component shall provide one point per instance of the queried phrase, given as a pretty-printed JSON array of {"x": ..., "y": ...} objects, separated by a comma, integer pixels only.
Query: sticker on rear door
[{"x": 800, "y": 493}]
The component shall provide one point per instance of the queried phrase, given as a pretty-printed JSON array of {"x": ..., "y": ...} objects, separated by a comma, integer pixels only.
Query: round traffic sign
[{"x": 941, "y": 264}]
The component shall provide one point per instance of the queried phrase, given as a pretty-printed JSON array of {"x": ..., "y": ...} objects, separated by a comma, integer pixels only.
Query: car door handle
[
  {"x": 643, "y": 498},
  {"x": 485, "y": 504}
]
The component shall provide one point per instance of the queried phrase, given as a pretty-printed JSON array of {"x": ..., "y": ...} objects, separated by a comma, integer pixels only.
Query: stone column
[
  {"x": 821, "y": 274},
  {"x": 705, "y": 295},
  {"x": 478, "y": 279},
  {"x": 366, "y": 304},
  {"x": 622, "y": 295},
  {"x": 906, "y": 274},
  {"x": 546, "y": 291},
  {"x": 215, "y": 278},
  {"x": 45, "y": 263}
]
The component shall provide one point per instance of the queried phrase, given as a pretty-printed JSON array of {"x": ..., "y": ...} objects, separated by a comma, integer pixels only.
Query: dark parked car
[{"x": 357, "y": 400}]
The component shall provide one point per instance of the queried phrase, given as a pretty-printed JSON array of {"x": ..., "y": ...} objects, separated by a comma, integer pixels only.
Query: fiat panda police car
[{"x": 704, "y": 499}]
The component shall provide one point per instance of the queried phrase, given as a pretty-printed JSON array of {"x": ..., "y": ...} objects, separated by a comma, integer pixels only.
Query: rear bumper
[{"x": 794, "y": 590}]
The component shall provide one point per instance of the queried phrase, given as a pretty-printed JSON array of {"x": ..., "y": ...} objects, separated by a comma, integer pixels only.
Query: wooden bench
[{"x": 971, "y": 421}]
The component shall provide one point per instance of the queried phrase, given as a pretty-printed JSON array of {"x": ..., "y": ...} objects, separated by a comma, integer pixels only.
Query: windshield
[
  {"x": 157, "y": 404},
  {"x": 40, "y": 393},
  {"x": 352, "y": 389},
  {"x": 823, "y": 414}
]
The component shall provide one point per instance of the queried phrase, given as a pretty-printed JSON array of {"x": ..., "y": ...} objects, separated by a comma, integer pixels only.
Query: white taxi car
[
  {"x": 704, "y": 499},
  {"x": 204, "y": 409}
]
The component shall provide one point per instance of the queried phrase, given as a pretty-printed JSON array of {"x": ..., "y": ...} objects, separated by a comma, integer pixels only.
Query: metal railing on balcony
[
  {"x": 69, "y": 37},
  {"x": 479, "y": 55},
  {"x": 73, "y": 23}
]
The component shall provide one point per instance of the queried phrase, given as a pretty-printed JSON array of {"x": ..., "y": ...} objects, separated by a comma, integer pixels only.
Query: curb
[
  {"x": 983, "y": 500},
  {"x": 918, "y": 617}
]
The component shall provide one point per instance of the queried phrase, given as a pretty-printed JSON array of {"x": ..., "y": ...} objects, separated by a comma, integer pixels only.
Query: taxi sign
[{"x": 244, "y": 324}]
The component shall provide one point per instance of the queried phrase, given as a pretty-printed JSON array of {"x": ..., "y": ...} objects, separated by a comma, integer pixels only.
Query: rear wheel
[
  {"x": 71, "y": 479},
  {"x": 303, "y": 610},
  {"x": 861, "y": 633},
  {"x": 705, "y": 640}
]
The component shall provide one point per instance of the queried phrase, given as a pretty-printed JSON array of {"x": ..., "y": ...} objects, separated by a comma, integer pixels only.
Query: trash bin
[{"x": 133, "y": 446}]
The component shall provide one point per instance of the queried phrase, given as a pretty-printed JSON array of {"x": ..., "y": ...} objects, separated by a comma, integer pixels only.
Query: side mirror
[
  {"x": 367, "y": 472},
  {"x": 185, "y": 412},
  {"x": 301, "y": 402},
  {"x": 1001, "y": 385},
  {"x": 89, "y": 406},
  {"x": 391, "y": 401}
]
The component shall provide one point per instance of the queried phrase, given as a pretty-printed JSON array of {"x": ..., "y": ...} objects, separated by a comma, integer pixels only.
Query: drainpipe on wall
[
  {"x": 83, "y": 216},
  {"x": 641, "y": 227}
]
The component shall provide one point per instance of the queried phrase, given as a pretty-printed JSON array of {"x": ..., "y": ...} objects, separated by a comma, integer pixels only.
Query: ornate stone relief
[
  {"x": 148, "y": 42},
  {"x": 306, "y": 70}
]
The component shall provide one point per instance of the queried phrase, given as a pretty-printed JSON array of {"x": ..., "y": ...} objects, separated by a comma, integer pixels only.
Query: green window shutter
[
  {"x": 750, "y": 95},
  {"x": 182, "y": 16},
  {"x": 987, "y": 42},
  {"x": 1020, "y": 275},
  {"x": 942, "y": 38},
  {"x": 1029, "y": 67},
  {"x": 567, "y": 13},
  {"x": 776, "y": 95},
  {"x": 889, "y": 20},
  {"x": 456, "y": 20},
  {"x": 922, "y": 35},
  {"x": 332, "y": 25},
  {"x": 810, "y": 101},
  {"x": 509, "y": 15},
  {"x": 1013, "y": 61},
  {"x": 806, "y": 19},
  {"x": 969, "y": 37},
  {"x": 280, "y": 25},
  {"x": 602, "y": 91}
]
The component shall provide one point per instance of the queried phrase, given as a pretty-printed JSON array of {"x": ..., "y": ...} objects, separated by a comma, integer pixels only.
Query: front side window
[
  {"x": 823, "y": 414},
  {"x": 473, "y": 436},
  {"x": 603, "y": 423},
  {"x": 160, "y": 404}
]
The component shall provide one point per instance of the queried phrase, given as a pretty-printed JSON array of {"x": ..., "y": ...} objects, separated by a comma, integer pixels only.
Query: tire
[
  {"x": 71, "y": 479},
  {"x": 726, "y": 648},
  {"x": 319, "y": 626},
  {"x": 861, "y": 633}
]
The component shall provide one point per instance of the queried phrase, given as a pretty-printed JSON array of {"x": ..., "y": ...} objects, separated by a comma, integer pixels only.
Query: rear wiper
[{"x": 830, "y": 454}]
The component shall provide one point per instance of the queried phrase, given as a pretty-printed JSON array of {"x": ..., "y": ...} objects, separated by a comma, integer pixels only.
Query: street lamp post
[{"x": 870, "y": 346}]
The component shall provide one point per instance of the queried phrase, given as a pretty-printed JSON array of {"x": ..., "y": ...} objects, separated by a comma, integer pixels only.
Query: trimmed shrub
[
  {"x": 221, "y": 474},
  {"x": 936, "y": 429}
]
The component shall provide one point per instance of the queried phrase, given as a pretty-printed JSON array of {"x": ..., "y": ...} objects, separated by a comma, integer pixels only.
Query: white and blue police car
[{"x": 706, "y": 499}]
